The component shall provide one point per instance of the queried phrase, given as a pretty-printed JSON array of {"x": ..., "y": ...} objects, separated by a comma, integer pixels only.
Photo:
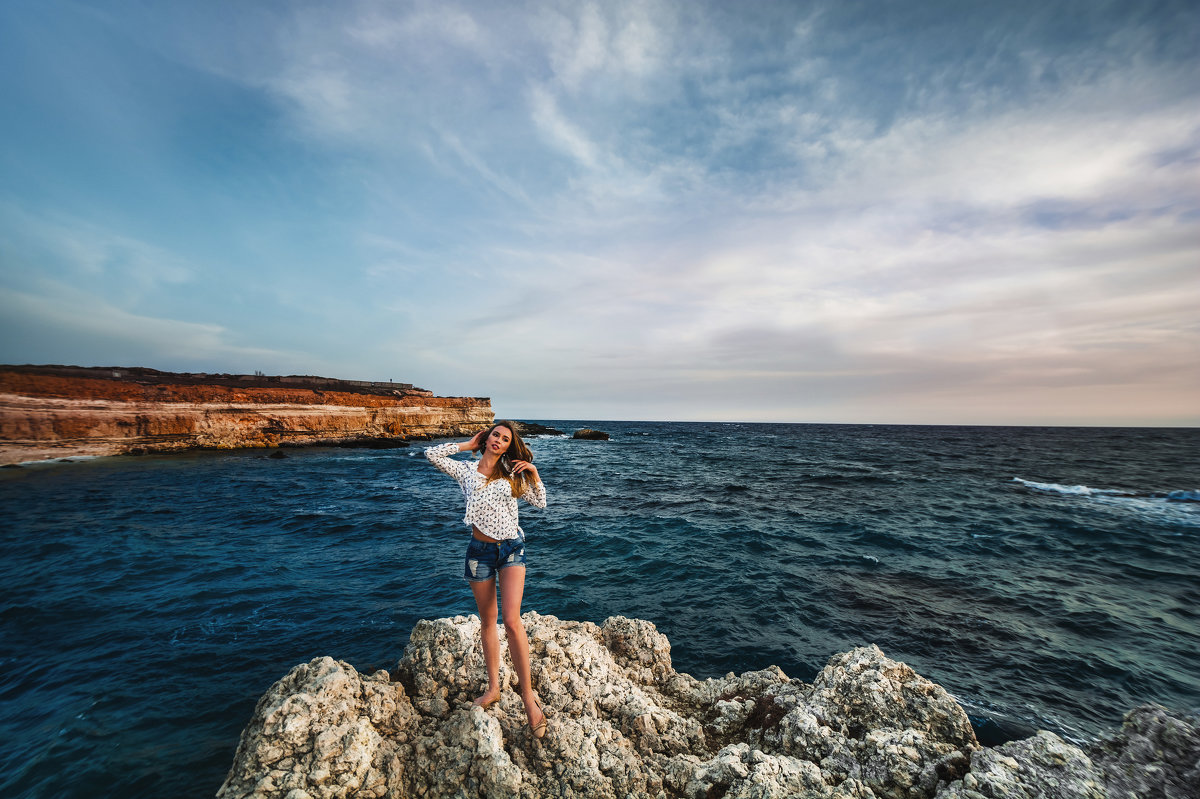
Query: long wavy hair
[{"x": 517, "y": 451}]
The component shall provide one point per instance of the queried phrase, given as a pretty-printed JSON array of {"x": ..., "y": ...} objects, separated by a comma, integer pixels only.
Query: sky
[{"x": 865, "y": 212}]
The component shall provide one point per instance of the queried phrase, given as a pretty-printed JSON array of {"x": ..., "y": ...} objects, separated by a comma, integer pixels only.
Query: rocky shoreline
[
  {"x": 624, "y": 723},
  {"x": 62, "y": 412}
]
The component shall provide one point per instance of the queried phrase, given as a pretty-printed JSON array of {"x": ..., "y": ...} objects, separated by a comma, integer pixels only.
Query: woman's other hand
[{"x": 526, "y": 466}]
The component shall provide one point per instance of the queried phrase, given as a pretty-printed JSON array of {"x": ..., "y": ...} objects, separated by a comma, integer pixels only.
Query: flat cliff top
[{"x": 149, "y": 385}]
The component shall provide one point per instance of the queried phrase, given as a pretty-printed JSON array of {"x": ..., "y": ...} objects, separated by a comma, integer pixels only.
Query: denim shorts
[{"x": 484, "y": 560}]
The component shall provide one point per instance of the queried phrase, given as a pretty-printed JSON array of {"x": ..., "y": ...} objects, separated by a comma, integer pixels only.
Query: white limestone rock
[
  {"x": 1041, "y": 767},
  {"x": 1155, "y": 755},
  {"x": 624, "y": 723}
]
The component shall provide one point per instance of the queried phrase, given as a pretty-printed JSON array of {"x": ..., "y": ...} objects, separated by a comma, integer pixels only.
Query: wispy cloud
[
  {"x": 561, "y": 133},
  {"x": 82, "y": 252},
  {"x": 44, "y": 326}
]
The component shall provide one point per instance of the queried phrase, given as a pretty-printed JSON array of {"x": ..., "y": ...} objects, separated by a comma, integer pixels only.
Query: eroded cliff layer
[{"x": 48, "y": 415}]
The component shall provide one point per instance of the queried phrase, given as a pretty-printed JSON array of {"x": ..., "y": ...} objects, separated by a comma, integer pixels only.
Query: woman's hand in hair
[
  {"x": 526, "y": 466},
  {"x": 475, "y": 443}
]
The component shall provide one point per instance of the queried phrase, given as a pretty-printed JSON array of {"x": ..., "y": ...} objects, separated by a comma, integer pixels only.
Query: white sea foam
[
  {"x": 1058, "y": 488},
  {"x": 63, "y": 459},
  {"x": 1172, "y": 507}
]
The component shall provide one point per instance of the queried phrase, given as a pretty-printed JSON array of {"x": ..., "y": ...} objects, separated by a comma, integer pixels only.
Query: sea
[{"x": 1047, "y": 577}]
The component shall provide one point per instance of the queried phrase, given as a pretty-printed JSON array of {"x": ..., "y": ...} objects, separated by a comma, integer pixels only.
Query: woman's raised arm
[
  {"x": 535, "y": 490},
  {"x": 439, "y": 456}
]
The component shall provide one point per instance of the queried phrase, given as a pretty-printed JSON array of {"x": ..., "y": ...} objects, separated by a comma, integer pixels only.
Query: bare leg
[
  {"x": 512, "y": 587},
  {"x": 485, "y": 600}
]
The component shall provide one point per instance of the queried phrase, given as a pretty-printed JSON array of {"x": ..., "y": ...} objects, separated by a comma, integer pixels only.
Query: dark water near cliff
[{"x": 146, "y": 603}]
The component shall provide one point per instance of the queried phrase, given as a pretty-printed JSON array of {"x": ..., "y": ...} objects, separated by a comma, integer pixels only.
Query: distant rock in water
[
  {"x": 534, "y": 429},
  {"x": 590, "y": 435},
  {"x": 624, "y": 723}
]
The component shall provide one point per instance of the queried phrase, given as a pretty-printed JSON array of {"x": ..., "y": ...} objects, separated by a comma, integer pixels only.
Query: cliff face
[{"x": 46, "y": 416}]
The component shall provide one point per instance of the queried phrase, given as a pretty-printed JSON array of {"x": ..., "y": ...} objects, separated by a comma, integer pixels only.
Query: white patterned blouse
[{"x": 490, "y": 506}]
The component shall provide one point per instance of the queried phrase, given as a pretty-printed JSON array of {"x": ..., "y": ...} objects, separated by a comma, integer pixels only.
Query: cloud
[
  {"x": 996, "y": 162},
  {"x": 41, "y": 328},
  {"x": 561, "y": 133},
  {"x": 840, "y": 206},
  {"x": 379, "y": 27},
  {"x": 64, "y": 247},
  {"x": 74, "y": 291},
  {"x": 588, "y": 42},
  {"x": 510, "y": 188}
]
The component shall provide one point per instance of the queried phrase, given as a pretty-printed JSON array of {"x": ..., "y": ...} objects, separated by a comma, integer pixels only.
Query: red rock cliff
[{"x": 46, "y": 415}]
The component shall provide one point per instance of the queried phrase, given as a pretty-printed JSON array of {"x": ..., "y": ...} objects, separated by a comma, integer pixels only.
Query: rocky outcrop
[
  {"x": 588, "y": 434},
  {"x": 1043, "y": 766},
  {"x": 45, "y": 416},
  {"x": 624, "y": 723},
  {"x": 530, "y": 429},
  {"x": 1155, "y": 755}
]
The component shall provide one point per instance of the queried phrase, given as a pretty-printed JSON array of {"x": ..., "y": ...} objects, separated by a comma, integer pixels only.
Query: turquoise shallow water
[{"x": 1047, "y": 575}]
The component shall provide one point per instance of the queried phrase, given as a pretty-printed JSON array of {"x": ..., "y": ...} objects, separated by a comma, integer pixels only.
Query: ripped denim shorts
[{"x": 484, "y": 559}]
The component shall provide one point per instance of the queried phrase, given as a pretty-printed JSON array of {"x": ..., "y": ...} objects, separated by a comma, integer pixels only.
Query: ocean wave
[
  {"x": 1168, "y": 506},
  {"x": 1179, "y": 495},
  {"x": 44, "y": 462},
  {"x": 1085, "y": 491}
]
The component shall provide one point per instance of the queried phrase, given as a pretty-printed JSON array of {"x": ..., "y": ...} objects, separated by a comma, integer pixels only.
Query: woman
[{"x": 505, "y": 471}]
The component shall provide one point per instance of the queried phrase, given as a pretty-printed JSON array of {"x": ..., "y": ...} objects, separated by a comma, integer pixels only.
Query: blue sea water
[{"x": 1045, "y": 575}]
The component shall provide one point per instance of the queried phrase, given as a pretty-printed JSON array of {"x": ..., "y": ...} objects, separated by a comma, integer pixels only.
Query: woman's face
[{"x": 498, "y": 440}]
